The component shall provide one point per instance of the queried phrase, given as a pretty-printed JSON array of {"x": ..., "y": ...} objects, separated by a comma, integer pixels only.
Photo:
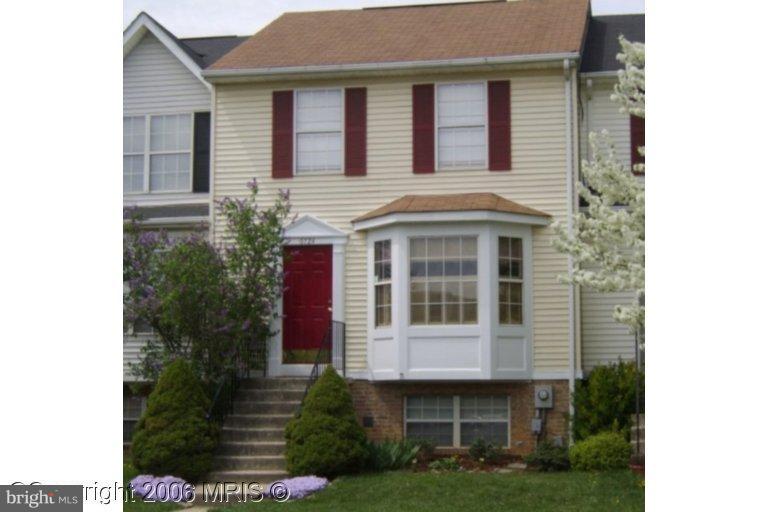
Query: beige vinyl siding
[
  {"x": 156, "y": 82},
  {"x": 603, "y": 339},
  {"x": 538, "y": 179}
]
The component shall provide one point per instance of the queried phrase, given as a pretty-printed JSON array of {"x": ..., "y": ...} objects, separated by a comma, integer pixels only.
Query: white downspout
[{"x": 569, "y": 191}]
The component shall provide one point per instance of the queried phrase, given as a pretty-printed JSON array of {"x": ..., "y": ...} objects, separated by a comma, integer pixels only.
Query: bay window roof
[{"x": 411, "y": 207}]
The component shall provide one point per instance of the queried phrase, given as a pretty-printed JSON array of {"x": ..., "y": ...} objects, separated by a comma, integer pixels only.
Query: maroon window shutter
[
  {"x": 499, "y": 129},
  {"x": 637, "y": 139},
  {"x": 282, "y": 134},
  {"x": 354, "y": 131},
  {"x": 423, "y": 128}
]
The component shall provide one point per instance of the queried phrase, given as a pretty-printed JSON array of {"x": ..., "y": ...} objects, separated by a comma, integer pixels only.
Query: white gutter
[
  {"x": 569, "y": 191},
  {"x": 387, "y": 66}
]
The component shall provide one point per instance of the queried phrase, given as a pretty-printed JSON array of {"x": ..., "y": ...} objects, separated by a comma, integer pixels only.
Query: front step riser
[
  {"x": 270, "y": 395},
  {"x": 248, "y": 464},
  {"x": 252, "y": 435},
  {"x": 291, "y": 385},
  {"x": 248, "y": 477},
  {"x": 235, "y": 421},
  {"x": 283, "y": 407},
  {"x": 251, "y": 449}
]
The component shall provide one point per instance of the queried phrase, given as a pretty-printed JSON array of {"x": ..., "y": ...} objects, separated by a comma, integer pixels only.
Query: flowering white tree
[{"x": 607, "y": 241}]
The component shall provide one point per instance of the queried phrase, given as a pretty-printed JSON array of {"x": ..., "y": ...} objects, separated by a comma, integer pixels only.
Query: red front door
[{"x": 307, "y": 296}]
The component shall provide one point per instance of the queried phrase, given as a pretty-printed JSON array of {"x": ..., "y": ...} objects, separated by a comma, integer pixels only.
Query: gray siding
[
  {"x": 604, "y": 340},
  {"x": 155, "y": 81}
]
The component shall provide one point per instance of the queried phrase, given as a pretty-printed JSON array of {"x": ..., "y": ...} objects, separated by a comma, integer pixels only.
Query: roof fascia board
[
  {"x": 144, "y": 23},
  {"x": 453, "y": 216},
  {"x": 311, "y": 72}
]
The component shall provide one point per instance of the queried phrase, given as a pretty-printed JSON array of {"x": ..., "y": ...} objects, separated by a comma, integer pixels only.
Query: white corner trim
[
  {"x": 458, "y": 216},
  {"x": 139, "y": 27}
]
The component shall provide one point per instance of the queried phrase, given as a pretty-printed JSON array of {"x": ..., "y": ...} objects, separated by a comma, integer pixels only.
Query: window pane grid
[
  {"x": 318, "y": 130},
  {"x": 443, "y": 274},
  {"x": 461, "y": 125},
  {"x": 434, "y": 418},
  {"x": 510, "y": 280},
  {"x": 382, "y": 274}
]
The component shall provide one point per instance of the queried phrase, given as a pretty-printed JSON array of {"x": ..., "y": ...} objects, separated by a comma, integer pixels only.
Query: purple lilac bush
[
  {"x": 161, "y": 488},
  {"x": 298, "y": 487}
]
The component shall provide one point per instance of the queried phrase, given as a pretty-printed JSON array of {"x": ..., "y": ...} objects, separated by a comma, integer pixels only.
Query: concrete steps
[{"x": 252, "y": 442}]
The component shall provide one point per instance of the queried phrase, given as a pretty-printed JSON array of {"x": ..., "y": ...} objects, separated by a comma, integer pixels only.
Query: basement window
[{"x": 457, "y": 420}]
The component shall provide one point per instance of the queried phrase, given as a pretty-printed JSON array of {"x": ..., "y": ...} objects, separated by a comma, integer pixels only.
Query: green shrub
[
  {"x": 445, "y": 464},
  {"x": 607, "y": 450},
  {"x": 326, "y": 439},
  {"x": 482, "y": 451},
  {"x": 606, "y": 400},
  {"x": 548, "y": 457},
  {"x": 173, "y": 437},
  {"x": 391, "y": 455}
]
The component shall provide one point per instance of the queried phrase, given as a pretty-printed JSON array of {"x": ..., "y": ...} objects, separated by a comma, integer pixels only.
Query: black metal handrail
[
  {"x": 224, "y": 397},
  {"x": 330, "y": 353}
]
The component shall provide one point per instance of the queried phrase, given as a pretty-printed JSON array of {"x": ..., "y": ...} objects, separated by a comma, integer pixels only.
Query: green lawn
[{"x": 471, "y": 492}]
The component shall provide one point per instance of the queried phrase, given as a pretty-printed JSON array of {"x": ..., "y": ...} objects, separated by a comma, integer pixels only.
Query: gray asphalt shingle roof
[{"x": 602, "y": 43}]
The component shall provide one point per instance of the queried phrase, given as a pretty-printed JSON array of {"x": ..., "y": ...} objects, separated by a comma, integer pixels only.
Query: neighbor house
[{"x": 166, "y": 145}]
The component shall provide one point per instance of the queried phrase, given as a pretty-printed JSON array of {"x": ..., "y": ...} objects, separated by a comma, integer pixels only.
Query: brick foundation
[{"x": 383, "y": 401}]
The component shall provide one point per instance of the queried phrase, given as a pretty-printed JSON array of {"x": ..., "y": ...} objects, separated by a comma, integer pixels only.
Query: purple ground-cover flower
[
  {"x": 161, "y": 488},
  {"x": 298, "y": 487}
]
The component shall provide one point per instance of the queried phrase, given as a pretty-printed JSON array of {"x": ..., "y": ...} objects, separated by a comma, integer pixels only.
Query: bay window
[
  {"x": 510, "y": 280},
  {"x": 318, "y": 130},
  {"x": 443, "y": 273},
  {"x": 382, "y": 261},
  {"x": 461, "y": 125},
  {"x": 457, "y": 421}
]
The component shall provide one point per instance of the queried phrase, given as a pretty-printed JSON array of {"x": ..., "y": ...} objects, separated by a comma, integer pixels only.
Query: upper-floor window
[
  {"x": 318, "y": 130},
  {"x": 510, "y": 280},
  {"x": 637, "y": 140},
  {"x": 443, "y": 280},
  {"x": 382, "y": 264},
  {"x": 157, "y": 153},
  {"x": 461, "y": 125}
]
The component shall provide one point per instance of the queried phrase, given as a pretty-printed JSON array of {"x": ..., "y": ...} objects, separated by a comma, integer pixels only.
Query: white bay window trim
[
  {"x": 331, "y": 130},
  {"x": 482, "y": 351},
  {"x": 460, "y": 126}
]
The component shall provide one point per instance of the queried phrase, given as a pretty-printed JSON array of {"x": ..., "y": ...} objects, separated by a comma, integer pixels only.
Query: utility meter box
[{"x": 543, "y": 397}]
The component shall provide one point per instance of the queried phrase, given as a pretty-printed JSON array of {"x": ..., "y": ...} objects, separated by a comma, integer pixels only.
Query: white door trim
[{"x": 309, "y": 230}]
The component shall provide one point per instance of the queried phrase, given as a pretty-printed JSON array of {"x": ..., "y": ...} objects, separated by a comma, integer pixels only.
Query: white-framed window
[
  {"x": 318, "y": 130},
  {"x": 133, "y": 408},
  {"x": 510, "y": 280},
  {"x": 457, "y": 420},
  {"x": 134, "y": 139},
  {"x": 429, "y": 418},
  {"x": 157, "y": 153},
  {"x": 382, "y": 264},
  {"x": 443, "y": 280},
  {"x": 461, "y": 119}
]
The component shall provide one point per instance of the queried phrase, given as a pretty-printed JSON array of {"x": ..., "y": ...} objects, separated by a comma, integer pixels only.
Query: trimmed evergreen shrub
[
  {"x": 173, "y": 437},
  {"x": 606, "y": 400},
  {"x": 326, "y": 439},
  {"x": 607, "y": 450},
  {"x": 548, "y": 457}
]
